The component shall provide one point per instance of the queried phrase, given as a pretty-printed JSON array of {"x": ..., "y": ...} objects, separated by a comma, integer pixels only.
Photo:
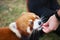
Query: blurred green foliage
[{"x": 10, "y": 10}]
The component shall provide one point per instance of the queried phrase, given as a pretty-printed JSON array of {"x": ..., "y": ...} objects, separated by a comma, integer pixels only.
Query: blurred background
[{"x": 10, "y": 10}]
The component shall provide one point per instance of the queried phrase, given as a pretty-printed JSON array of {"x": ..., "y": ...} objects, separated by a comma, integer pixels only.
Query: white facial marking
[
  {"x": 28, "y": 30},
  {"x": 13, "y": 28},
  {"x": 36, "y": 24}
]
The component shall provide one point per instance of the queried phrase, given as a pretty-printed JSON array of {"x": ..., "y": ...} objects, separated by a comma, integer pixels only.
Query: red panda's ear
[{"x": 23, "y": 13}]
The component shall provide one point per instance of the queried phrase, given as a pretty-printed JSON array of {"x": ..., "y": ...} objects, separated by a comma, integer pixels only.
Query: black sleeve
[
  {"x": 45, "y": 13},
  {"x": 41, "y": 8},
  {"x": 54, "y": 5}
]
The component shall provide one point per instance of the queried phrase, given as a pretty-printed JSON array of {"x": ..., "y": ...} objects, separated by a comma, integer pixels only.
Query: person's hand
[{"x": 50, "y": 25}]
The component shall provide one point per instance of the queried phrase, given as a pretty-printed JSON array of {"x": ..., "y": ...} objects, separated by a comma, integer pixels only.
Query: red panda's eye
[{"x": 30, "y": 22}]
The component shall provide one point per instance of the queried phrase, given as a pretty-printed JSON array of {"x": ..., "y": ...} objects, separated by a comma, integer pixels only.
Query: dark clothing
[{"x": 36, "y": 6}]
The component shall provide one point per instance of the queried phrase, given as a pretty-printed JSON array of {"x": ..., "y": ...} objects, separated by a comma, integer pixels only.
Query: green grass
[{"x": 10, "y": 10}]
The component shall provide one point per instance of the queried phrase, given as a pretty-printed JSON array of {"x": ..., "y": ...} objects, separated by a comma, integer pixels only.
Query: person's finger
[
  {"x": 46, "y": 24},
  {"x": 46, "y": 29}
]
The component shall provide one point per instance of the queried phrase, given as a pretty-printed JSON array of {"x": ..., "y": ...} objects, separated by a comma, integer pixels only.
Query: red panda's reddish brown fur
[{"x": 22, "y": 24}]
